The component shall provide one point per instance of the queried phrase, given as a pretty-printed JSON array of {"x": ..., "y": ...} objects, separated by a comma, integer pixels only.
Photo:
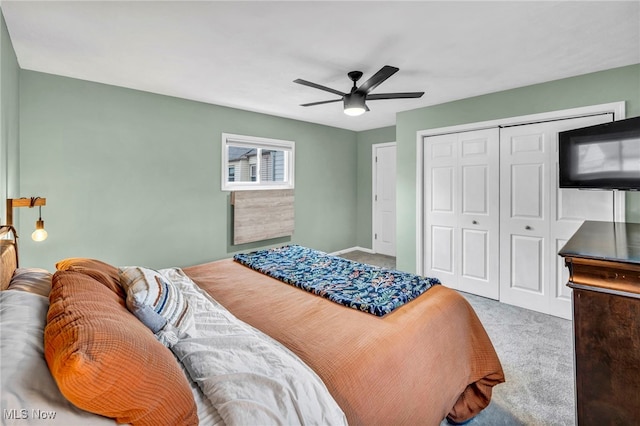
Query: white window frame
[{"x": 258, "y": 143}]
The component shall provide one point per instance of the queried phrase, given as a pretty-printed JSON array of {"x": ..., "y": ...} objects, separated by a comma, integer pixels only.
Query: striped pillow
[{"x": 159, "y": 304}]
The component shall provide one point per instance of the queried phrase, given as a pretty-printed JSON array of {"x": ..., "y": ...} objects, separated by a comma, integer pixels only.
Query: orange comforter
[{"x": 429, "y": 359}]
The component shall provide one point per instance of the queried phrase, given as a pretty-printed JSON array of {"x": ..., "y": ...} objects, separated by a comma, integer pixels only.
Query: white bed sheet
[
  {"x": 29, "y": 393},
  {"x": 250, "y": 378}
]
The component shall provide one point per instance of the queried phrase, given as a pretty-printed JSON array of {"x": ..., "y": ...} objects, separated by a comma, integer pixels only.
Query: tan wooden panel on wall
[{"x": 262, "y": 215}]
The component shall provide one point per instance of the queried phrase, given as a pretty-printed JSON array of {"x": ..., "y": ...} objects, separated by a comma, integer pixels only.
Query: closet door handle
[
  {"x": 528, "y": 228},
  {"x": 475, "y": 222}
]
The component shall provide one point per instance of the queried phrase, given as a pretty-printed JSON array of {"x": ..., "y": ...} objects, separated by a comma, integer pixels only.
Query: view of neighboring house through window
[{"x": 256, "y": 163}]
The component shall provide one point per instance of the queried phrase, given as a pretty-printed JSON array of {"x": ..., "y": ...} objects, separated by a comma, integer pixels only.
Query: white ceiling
[{"x": 247, "y": 54}]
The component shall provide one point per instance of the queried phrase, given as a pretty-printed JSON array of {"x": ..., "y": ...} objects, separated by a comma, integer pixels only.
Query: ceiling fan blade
[
  {"x": 317, "y": 86},
  {"x": 384, "y": 73},
  {"x": 321, "y": 102},
  {"x": 394, "y": 95}
]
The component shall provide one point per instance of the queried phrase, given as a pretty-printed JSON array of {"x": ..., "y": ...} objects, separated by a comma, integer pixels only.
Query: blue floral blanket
[{"x": 367, "y": 288}]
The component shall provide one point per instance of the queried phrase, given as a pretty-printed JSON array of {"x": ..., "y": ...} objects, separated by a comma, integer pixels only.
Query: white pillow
[
  {"x": 158, "y": 303},
  {"x": 29, "y": 393},
  {"x": 31, "y": 280}
]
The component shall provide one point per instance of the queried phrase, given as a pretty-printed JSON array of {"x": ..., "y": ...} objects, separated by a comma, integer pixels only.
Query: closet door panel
[
  {"x": 527, "y": 264},
  {"x": 475, "y": 249},
  {"x": 534, "y": 208},
  {"x": 570, "y": 207},
  {"x": 524, "y": 224},
  {"x": 462, "y": 202},
  {"x": 442, "y": 250},
  {"x": 479, "y": 220},
  {"x": 527, "y": 191},
  {"x": 442, "y": 206},
  {"x": 442, "y": 190},
  {"x": 474, "y": 190},
  {"x": 573, "y": 203}
]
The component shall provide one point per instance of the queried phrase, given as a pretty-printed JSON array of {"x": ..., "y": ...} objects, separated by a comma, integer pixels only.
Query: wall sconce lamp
[{"x": 39, "y": 234}]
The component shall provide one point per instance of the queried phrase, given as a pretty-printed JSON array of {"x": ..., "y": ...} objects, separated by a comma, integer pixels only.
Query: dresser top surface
[{"x": 614, "y": 241}]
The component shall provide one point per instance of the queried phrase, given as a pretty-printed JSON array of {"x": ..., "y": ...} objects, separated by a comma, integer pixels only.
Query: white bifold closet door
[
  {"x": 461, "y": 184},
  {"x": 495, "y": 218},
  {"x": 537, "y": 218}
]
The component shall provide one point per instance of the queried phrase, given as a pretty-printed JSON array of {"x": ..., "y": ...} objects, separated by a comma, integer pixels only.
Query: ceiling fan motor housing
[{"x": 354, "y": 99}]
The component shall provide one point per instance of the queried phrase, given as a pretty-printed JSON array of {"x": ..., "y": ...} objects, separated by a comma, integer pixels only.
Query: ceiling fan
[{"x": 354, "y": 101}]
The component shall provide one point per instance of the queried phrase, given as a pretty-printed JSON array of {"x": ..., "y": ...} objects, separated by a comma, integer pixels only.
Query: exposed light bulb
[{"x": 39, "y": 234}]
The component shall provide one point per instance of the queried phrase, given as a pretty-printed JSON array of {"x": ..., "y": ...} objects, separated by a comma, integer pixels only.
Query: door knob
[
  {"x": 527, "y": 227},
  {"x": 475, "y": 222}
]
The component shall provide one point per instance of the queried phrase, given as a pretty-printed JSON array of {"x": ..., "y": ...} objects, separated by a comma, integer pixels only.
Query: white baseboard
[{"x": 357, "y": 248}]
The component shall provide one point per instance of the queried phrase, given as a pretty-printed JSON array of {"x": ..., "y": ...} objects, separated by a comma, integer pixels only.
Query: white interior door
[
  {"x": 441, "y": 252},
  {"x": 384, "y": 199},
  {"x": 524, "y": 213},
  {"x": 537, "y": 218},
  {"x": 462, "y": 197},
  {"x": 570, "y": 208}
]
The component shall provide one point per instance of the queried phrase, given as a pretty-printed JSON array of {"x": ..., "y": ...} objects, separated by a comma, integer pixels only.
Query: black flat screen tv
[{"x": 604, "y": 156}]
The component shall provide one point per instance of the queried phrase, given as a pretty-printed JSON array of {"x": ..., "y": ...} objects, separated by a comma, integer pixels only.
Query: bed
[{"x": 428, "y": 360}]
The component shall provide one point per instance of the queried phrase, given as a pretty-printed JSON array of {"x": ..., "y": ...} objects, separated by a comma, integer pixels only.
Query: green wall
[
  {"x": 9, "y": 120},
  {"x": 619, "y": 84},
  {"x": 134, "y": 178},
  {"x": 364, "y": 199}
]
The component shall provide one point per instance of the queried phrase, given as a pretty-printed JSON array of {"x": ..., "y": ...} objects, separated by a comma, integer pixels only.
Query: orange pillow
[
  {"x": 106, "y": 361},
  {"x": 100, "y": 271}
]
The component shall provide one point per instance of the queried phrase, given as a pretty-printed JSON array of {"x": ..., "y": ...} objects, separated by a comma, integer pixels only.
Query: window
[{"x": 256, "y": 163}]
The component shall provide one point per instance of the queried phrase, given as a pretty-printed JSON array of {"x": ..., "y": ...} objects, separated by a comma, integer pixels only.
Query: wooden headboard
[{"x": 8, "y": 254}]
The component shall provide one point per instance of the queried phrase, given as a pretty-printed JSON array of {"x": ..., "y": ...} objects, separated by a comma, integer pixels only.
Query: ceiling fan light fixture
[
  {"x": 354, "y": 105},
  {"x": 354, "y": 101}
]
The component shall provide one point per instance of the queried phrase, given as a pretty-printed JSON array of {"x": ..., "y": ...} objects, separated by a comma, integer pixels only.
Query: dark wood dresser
[{"x": 604, "y": 272}]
